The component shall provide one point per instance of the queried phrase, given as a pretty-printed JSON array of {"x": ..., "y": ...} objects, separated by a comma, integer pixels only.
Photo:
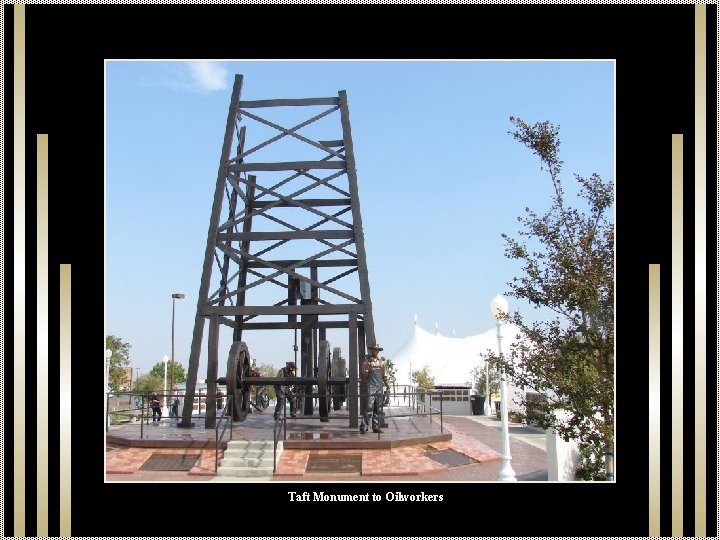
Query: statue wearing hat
[
  {"x": 373, "y": 375},
  {"x": 285, "y": 392}
]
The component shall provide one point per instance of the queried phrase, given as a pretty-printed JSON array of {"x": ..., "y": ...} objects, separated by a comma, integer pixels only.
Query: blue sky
[{"x": 439, "y": 179}]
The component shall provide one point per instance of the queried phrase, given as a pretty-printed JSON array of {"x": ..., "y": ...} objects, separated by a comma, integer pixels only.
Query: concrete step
[
  {"x": 248, "y": 459},
  {"x": 253, "y": 463},
  {"x": 241, "y": 453},
  {"x": 250, "y": 445},
  {"x": 245, "y": 471}
]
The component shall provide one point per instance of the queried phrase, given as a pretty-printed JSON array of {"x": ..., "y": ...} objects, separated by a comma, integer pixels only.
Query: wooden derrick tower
[{"x": 285, "y": 249}]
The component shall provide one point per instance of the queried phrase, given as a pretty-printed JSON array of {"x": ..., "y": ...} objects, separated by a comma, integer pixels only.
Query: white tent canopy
[{"x": 450, "y": 360}]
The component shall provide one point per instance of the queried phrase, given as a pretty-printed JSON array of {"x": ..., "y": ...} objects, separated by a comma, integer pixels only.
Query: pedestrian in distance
[
  {"x": 155, "y": 406},
  {"x": 175, "y": 403},
  {"x": 219, "y": 399}
]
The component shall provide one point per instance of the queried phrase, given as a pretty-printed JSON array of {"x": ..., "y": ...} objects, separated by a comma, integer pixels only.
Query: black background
[{"x": 654, "y": 47}]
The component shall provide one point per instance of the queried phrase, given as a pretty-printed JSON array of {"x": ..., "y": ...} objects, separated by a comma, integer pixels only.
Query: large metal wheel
[
  {"x": 238, "y": 369},
  {"x": 323, "y": 385},
  {"x": 337, "y": 390}
]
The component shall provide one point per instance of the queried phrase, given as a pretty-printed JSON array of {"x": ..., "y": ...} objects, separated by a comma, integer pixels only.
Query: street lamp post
[
  {"x": 487, "y": 388},
  {"x": 165, "y": 408},
  {"x": 175, "y": 296},
  {"x": 108, "y": 355},
  {"x": 499, "y": 308}
]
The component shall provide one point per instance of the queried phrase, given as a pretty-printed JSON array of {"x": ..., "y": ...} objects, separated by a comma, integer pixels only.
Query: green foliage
[
  {"x": 119, "y": 418},
  {"x": 268, "y": 370},
  {"x": 177, "y": 369},
  {"x": 479, "y": 384},
  {"x": 592, "y": 463},
  {"x": 516, "y": 416},
  {"x": 119, "y": 359},
  {"x": 423, "y": 378},
  {"x": 149, "y": 382},
  {"x": 568, "y": 268},
  {"x": 390, "y": 369}
]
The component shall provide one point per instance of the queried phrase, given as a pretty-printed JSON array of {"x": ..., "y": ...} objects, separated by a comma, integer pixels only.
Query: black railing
[
  {"x": 142, "y": 407},
  {"x": 223, "y": 421},
  {"x": 437, "y": 411},
  {"x": 416, "y": 401},
  {"x": 277, "y": 429}
]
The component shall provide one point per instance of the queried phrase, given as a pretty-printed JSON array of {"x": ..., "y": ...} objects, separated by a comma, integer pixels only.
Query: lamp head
[
  {"x": 166, "y": 358},
  {"x": 499, "y": 307},
  {"x": 178, "y": 295}
]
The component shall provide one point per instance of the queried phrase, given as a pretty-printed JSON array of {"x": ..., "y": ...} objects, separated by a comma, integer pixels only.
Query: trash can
[{"x": 477, "y": 403}]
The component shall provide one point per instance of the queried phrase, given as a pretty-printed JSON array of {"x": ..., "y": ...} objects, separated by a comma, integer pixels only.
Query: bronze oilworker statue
[{"x": 375, "y": 384}]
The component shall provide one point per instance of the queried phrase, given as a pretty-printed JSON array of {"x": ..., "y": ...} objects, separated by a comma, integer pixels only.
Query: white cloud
[{"x": 208, "y": 76}]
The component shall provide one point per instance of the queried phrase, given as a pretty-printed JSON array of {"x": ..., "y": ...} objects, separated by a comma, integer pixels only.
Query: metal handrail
[
  {"x": 219, "y": 436},
  {"x": 440, "y": 410},
  {"x": 276, "y": 432}
]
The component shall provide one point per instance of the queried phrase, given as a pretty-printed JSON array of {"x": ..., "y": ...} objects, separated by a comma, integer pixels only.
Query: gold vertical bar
[
  {"x": 677, "y": 335},
  {"x": 700, "y": 277},
  {"x": 65, "y": 312},
  {"x": 43, "y": 388},
  {"x": 654, "y": 395},
  {"x": 19, "y": 273}
]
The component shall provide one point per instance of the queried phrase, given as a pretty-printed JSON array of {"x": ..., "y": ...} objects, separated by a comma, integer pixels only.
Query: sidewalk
[{"x": 530, "y": 435}]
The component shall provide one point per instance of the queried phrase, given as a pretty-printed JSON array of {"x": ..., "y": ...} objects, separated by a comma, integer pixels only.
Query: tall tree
[
  {"x": 268, "y": 370},
  {"x": 178, "y": 372},
  {"x": 482, "y": 379},
  {"x": 119, "y": 358},
  {"x": 422, "y": 378},
  {"x": 568, "y": 269},
  {"x": 149, "y": 382}
]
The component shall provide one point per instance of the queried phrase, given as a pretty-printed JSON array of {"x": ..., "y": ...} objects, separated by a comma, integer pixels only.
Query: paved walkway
[
  {"x": 477, "y": 437},
  {"x": 473, "y": 436}
]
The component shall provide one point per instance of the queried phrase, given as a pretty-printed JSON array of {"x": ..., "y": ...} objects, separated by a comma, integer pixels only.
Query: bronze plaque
[{"x": 345, "y": 463}]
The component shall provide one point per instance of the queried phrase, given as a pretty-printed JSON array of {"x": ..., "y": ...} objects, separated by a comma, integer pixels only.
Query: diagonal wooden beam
[
  {"x": 276, "y": 304},
  {"x": 239, "y": 158},
  {"x": 290, "y": 270},
  {"x": 293, "y": 202},
  {"x": 298, "y": 203},
  {"x": 311, "y": 227},
  {"x": 298, "y": 175},
  {"x": 273, "y": 204},
  {"x": 281, "y": 269},
  {"x": 231, "y": 294},
  {"x": 292, "y": 132},
  {"x": 341, "y": 275},
  {"x": 236, "y": 187},
  {"x": 322, "y": 181}
]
